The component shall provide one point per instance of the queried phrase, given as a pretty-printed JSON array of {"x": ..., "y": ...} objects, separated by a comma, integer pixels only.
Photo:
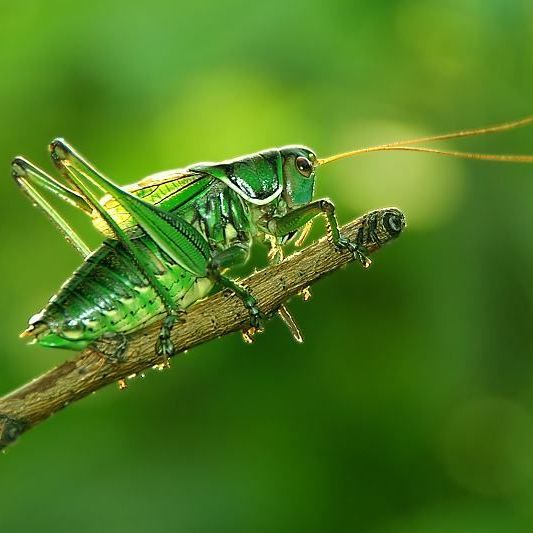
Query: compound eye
[{"x": 304, "y": 166}]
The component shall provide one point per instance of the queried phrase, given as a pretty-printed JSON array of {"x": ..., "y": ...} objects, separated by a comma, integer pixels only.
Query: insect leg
[
  {"x": 174, "y": 235},
  {"x": 155, "y": 222},
  {"x": 222, "y": 212},
  {"x": 275, "y": 255},
  {"x": 27, "y": 176},
  {"x": 304, "y": 234},
  {"x": 236, "y": 254},
  {"x": 30, "y": 177},
  {"x": 24, "y": 170},
  {"x": 295, "y": 219},
  {"x": 244, "y": 294}
]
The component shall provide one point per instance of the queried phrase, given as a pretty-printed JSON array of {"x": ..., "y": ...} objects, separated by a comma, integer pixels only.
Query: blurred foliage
[{"x": 409, "y": 406}]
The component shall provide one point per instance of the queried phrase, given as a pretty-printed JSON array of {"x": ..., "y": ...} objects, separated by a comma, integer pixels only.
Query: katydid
[{"x": 170, "y": 237}]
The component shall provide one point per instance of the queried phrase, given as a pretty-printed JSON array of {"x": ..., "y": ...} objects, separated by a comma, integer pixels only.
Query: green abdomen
[{"x": 108, "y": 294}]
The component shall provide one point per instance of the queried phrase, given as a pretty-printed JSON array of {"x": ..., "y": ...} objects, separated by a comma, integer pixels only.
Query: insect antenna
[{"x": 407, "y": 145}]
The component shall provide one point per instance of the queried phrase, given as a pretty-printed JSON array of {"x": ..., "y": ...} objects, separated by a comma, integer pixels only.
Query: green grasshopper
[{"x": 170, "y": 237}]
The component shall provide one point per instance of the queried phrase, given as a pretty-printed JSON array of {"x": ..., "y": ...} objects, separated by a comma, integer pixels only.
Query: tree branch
[{"x": 213, "y": 317}]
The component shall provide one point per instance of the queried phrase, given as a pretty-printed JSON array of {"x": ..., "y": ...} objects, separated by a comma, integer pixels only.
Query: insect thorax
[{"x": 222, "y": 216}]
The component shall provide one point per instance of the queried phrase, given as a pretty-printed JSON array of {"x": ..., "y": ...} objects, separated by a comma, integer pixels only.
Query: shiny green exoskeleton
[{"x": 170, "y": 237}]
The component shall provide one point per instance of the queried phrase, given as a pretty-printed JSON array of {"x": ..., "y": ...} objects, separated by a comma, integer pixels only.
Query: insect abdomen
[{"x": 108, "y": 294}]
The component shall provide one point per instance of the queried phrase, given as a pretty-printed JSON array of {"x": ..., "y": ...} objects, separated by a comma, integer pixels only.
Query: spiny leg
[
  {"x": 112, "y": 345},
  {"x": 299, "y": 242},
  {"x": 256, "y": 318},
  {"x": 234, "y": 255},
  {"x": 27, "y": 176},
  {"x": 301, "y": 218},
  {"x": 340, "y": 241},
  {"x": 81, "y": 174},
  {"x": 295, "y": 219},
  {"x": 174, "y": 236},
  {"x": 27, "y": 171}
]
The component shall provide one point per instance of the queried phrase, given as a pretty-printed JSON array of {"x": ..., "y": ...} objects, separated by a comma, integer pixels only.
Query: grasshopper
[{"x": 170, "y": 237}]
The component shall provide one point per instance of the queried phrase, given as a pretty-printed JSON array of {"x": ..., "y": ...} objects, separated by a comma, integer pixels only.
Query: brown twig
[{"x": 213, "y": 317}]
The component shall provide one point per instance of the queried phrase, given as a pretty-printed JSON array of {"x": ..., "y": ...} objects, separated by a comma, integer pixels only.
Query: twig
[{"x": 213, "y": 317}]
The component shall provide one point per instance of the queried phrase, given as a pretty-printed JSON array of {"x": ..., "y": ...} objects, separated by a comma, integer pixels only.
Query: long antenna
[{"x": 405, "y": 145}]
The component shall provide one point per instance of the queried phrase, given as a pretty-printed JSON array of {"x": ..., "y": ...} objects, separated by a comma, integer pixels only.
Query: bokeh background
[{"x": 409, "y": 408}]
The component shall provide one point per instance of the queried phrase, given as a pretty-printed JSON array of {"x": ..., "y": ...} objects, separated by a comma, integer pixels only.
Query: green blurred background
[{"x": 409, "y": 408}]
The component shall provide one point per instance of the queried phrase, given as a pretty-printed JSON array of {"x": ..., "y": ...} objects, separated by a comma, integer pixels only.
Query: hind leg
[
  {"x": 155, "y": 222},
  {"x": 31, "y": 178}
]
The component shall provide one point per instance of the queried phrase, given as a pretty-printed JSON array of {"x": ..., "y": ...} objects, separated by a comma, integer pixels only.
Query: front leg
[{"x": 298, "y": 217}]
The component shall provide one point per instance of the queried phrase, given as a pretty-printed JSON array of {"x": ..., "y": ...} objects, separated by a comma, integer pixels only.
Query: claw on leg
[
  {"x": 355, "y": 249},
  {"x": 164, "y": 347},
  {"x": 249, "y": 301},
  {"x": 256, "y": 319}
]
